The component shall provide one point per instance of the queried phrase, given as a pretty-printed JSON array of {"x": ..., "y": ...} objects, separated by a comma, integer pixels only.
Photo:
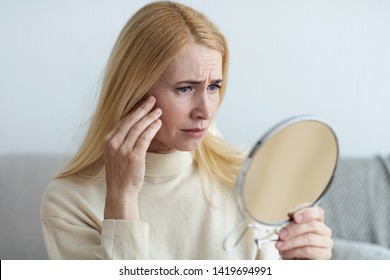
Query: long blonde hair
[{"x": 144, "y": 49}]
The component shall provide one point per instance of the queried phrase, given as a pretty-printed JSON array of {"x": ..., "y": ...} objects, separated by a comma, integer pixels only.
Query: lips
[{"x": 195, "y": 132}]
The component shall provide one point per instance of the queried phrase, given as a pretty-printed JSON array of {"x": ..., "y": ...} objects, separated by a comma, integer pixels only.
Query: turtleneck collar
[{"x": 161, "y": 165}]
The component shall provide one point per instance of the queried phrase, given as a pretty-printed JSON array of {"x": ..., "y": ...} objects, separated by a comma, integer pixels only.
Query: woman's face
[{"x": 188, "y": 95}]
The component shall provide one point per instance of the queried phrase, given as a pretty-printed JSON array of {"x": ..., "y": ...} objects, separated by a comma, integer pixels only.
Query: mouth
[{"x": 195, "y": 132}]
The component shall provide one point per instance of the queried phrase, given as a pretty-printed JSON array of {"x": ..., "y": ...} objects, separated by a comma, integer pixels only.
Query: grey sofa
[{"x": 357, "y": 206}]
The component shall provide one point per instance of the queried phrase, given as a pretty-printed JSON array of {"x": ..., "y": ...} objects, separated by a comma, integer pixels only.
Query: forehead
[{"x": 195, "y": 62}]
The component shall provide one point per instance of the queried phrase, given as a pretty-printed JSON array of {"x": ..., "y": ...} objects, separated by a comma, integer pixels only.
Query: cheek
[
  {"x": 171, "y": 118},
  {"x": 166, "y": 124},
  {"x": 215, "y": 105},
  {"x": 173, "y": 111}
]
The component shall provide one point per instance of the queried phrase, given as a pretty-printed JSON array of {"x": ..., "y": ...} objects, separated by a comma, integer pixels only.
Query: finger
[
  {"x": 118, "y": 134},
  {"x": 146, "y": 137},
  {"x": 308, "y": 214},
  {"x": 307, "y": 240},
  {"x": 131, "y": 119},
  {"x": 311, "y": 253},
  {"x": 293, "y": 230},
  {"x": 139, "y": 128}
]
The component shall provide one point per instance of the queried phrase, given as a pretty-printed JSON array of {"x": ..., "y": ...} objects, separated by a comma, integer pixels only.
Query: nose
[{"x": 202, "y": 108}]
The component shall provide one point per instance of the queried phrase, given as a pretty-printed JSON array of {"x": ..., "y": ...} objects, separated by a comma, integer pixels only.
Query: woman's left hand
[{"x": 306, "y": 236}]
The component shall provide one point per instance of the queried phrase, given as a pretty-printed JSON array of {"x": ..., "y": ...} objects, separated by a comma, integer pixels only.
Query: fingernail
[
  {"x": 279, "y": 244},
  {"x": 283, "y": 233},
  {"x": 150, "y": 99},
  {"x": 158, "y": 111}
]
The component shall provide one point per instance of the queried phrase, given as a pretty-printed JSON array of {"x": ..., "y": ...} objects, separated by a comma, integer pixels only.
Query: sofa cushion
[
  {"x": 357, "y": 205},
  {"x": 354, "y": 250}
]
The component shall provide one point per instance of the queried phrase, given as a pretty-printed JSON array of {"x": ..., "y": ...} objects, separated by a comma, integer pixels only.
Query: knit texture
[{"x": 357, "y": 205}]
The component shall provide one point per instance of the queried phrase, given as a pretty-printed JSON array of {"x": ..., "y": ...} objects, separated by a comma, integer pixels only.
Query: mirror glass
[{"x": 291, "y": 165}]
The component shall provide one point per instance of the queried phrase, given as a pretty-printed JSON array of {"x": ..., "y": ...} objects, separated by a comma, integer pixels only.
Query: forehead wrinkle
[
  {"x": 207, "y": 71},
  {"x": 200, "y": 75},
  {"x": 204, "y": 66}
]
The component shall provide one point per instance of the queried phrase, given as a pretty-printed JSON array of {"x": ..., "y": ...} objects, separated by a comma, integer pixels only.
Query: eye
[
  {"x": 183, "y": 90},
  {"x": 213, "y": 88}
]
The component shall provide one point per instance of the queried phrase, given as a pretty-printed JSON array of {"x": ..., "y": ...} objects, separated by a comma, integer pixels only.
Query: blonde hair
[{"x": 144, "y": 49}]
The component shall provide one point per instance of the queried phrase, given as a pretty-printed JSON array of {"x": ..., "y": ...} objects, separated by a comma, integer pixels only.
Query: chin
[
  {"x": 178, "y": 144},
  {"x": 189, "y": 147}
]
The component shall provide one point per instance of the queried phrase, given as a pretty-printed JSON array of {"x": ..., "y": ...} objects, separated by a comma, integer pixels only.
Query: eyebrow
[{"x": 194, "y": 82}]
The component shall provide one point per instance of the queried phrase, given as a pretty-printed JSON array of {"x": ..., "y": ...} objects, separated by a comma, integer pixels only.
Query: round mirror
[{"x": 291, "y": 165}]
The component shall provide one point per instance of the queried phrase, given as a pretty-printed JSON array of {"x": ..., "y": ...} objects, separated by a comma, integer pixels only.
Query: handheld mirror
[{"x": 291, "y": 165}]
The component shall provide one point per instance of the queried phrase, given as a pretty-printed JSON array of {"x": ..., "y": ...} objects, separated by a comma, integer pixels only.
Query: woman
[{"x": 152, "y": 179}]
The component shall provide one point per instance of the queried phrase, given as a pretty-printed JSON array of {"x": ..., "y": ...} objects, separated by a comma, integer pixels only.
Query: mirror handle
[{"x": 227, "y": 244}]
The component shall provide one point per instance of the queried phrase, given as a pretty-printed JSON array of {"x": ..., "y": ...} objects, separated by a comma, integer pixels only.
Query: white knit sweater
[{"x": 178, "y": 220}]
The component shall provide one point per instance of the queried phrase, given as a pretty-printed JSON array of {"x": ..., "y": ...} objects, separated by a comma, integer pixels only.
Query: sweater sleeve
[
  {"x": 73, "y": 226},
  {"x": 125, "y": 240},
  {"x": 118, "y": 239}
]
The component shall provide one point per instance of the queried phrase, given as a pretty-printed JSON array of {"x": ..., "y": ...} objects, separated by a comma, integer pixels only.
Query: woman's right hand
[{"x": 125, "y": 149}]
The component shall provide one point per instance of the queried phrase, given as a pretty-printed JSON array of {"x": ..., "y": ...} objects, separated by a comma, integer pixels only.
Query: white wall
[{"x": 329, "y": 58}]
